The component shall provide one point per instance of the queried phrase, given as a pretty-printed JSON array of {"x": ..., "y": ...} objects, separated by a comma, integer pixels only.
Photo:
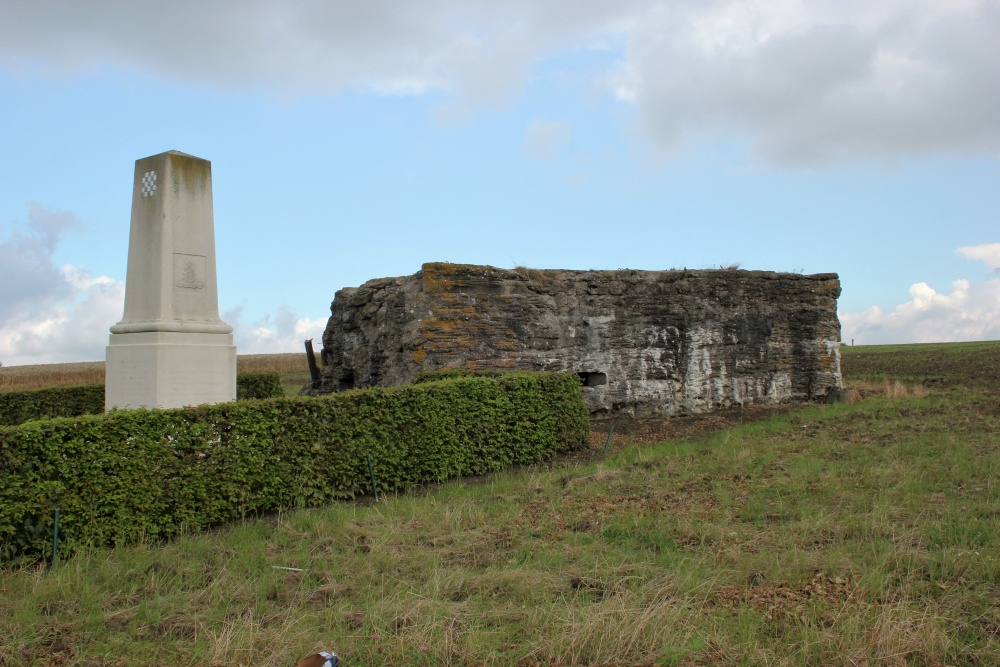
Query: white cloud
[
  {"x": 30, "y": 282},
  {"x": 971, "y": 311},
  {"x": 481, "y": 50},
  {"x": 53, "y": 314},
  {"x": 73, "y": 328},
  {"x": 821, "y": 82},
  {"x": 544, "y": 138},
  {"x": 987, "y": 253},
  {"x": 808, "y": 82},
  {"x": 50, "y": 313},
  {"x": 285, "y": 332}
]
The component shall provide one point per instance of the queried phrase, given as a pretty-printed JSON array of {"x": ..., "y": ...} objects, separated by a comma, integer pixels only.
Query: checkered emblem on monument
[{"x": 148, "y": 184}]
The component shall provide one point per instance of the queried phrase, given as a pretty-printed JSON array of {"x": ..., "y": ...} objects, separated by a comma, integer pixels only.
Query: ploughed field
[
  {"x": 930, "y": 364},
  {"x": 859, "y": 533}
]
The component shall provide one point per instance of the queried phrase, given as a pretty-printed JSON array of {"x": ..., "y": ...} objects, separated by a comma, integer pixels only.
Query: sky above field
[{"x": 357, "y": 140}]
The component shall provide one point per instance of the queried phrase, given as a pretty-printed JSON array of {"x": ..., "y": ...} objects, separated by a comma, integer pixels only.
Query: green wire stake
[
  {"x": 371, "y": 471},
  {"x": 611, "y": 432},
  {"x": 55, "y": 541}
]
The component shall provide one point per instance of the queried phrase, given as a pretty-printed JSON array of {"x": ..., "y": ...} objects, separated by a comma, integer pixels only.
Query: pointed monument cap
[{"x": 171, "y": 282}]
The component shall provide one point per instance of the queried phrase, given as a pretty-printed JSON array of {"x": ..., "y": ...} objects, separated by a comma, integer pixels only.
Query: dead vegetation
[
  {"x": 26, "y": 378},
  {"x": 40, "y": 376},
  {"x": 292, "y": 362},
  {"x": 538, "y": 275}
]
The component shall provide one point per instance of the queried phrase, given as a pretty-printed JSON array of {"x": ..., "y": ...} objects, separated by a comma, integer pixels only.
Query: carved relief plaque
[{"x": 189, "y": 272}]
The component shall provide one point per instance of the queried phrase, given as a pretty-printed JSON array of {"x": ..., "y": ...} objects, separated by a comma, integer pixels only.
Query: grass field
[{"x": 860, "y": 533}]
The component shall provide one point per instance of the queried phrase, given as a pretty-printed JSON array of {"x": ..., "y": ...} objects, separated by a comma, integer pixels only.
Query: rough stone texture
[{"x": 646, "y": 343}]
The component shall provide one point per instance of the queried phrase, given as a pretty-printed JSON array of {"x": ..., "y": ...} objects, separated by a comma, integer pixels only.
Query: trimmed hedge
[
  {"x": 258, "y": 385},
  {"x": 151, "y": 474},
  {"x": 18, "y": 407},
  {"x": 452, "y": 373}
]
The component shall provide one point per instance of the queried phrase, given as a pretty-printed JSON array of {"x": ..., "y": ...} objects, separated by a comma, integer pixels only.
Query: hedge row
[
  {"x": 150, "y": 474},
  {"x": 258, "y": 385},
  {"x": 18, "y": 407},
  {"x": 452, "y": 373}
]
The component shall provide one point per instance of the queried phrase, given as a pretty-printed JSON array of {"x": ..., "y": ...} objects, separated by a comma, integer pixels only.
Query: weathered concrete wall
[{"x": 646, "y": 343}]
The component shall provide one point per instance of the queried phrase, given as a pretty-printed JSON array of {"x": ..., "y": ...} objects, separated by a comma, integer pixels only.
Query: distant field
[
  {"x": 859, "y": 533},
  {"x": 21, "y": 378},
  {"x": 931, "y": 364},
  {"x": 291, "y": 366},
  {"x": 940, "y": 364}
]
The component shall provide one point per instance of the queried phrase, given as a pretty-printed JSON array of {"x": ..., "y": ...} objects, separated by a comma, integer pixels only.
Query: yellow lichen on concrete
[
  {"x": 829, "y": 287},
  {"x": 444, "y": 278},
  {"x": 436, "y": 278},
  {"x": 827, "y": 361}
]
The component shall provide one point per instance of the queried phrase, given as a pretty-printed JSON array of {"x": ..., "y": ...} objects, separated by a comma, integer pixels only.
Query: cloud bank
[
  {"x": 285, "y": 332},
  {"x": 969, "y": 312},
  {"x": 806, "y": 83},
  {"x": 53, "y": 314},
  {"x": 820, "y": 82}
]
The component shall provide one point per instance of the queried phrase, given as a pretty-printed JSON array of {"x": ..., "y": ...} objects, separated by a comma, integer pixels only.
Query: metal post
[
  {"x": 55, "y": 541},
  {"x": 371, "y": 471},
  {"x": 607, "y": 444},
  {"x": 313, "y": 368}
]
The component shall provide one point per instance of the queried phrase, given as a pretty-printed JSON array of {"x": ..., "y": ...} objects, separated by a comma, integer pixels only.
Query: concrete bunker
[{"x": 643, "y": 343}]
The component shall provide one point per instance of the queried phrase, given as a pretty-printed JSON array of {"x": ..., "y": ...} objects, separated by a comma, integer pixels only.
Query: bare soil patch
[{"x": 631, "y": 431}]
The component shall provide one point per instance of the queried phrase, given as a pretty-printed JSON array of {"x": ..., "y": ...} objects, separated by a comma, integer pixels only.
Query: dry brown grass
[
  {"x": 858, "y": 390},
  {"x": 538, "y": 275},
  {"x": 291, "y": 362},
  {"x": 40, "y": 376}
]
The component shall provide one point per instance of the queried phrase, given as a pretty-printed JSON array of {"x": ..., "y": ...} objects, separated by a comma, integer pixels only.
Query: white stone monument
[{"x": 171, "y": 349}]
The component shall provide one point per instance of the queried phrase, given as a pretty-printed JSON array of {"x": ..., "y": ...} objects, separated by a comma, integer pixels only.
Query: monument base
[{"x": 166, "y": 369}]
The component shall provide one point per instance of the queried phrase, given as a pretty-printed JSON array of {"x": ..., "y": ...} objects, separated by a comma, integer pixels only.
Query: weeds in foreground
[
  {"x": 849, "y": 534},
  {"x": 858, "y": 390}
]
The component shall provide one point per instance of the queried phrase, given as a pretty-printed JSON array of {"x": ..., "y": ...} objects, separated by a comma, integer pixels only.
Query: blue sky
[{"x": 355, "y": 141}]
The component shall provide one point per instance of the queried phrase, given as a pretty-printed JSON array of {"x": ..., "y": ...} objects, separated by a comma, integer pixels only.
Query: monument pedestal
[
  {"x": 167, "y": 369},
  {"x": 170, "y": 348}
]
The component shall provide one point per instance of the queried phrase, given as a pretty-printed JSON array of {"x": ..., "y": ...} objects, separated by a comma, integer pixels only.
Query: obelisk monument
[{"x": 171, "y": 349}]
